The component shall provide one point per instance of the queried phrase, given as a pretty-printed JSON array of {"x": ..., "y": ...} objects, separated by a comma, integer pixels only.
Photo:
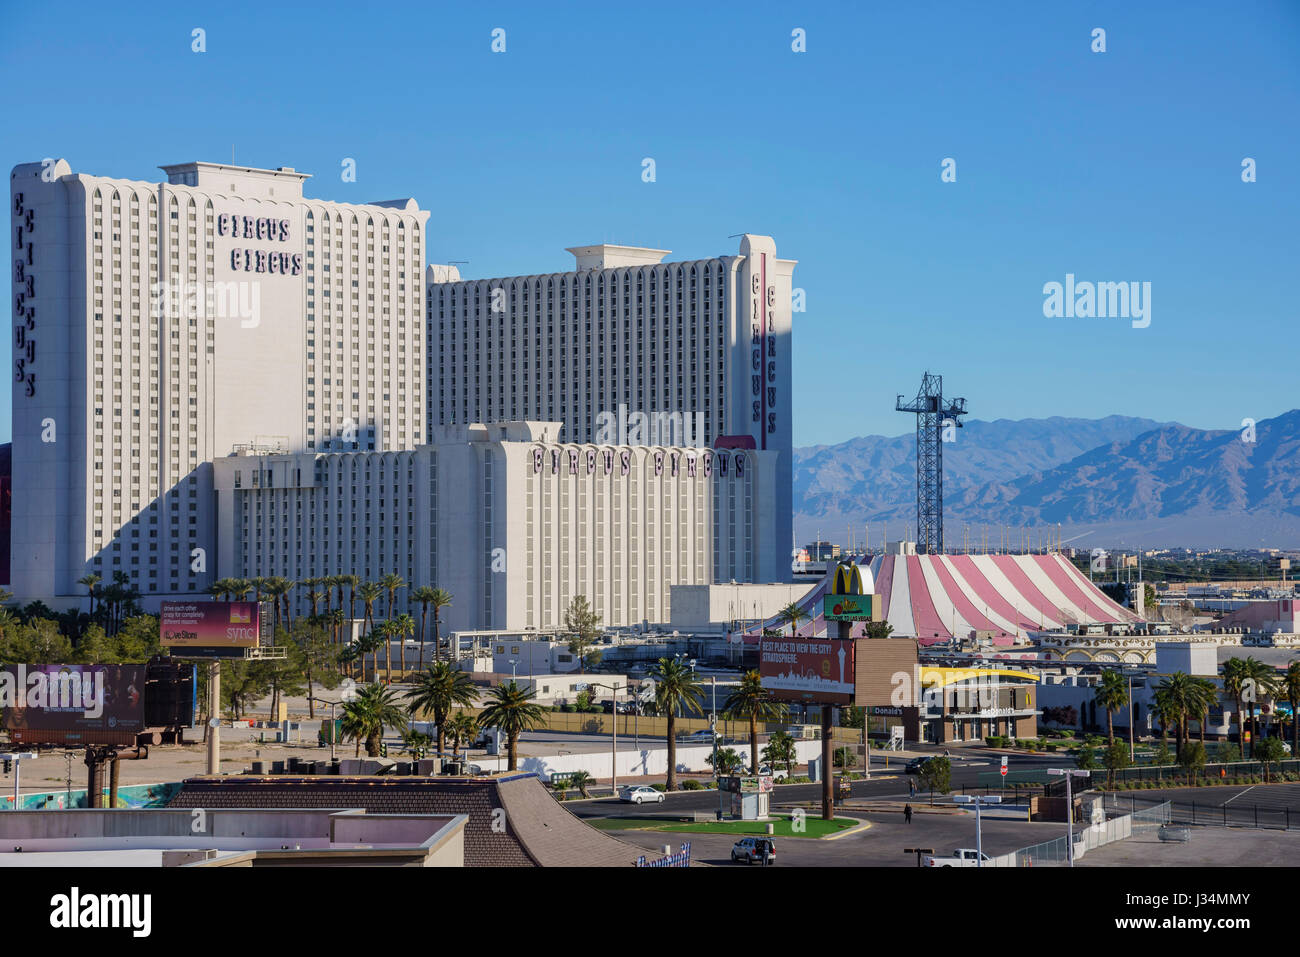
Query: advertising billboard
[
  {"x": 849, "y": 607},
  {"x": 807, "y": 669},
  {"x": 209, "y": 627},
  {"x": 87, "y": 699}
]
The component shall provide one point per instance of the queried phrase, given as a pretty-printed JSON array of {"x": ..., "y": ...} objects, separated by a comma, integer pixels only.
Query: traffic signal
[
  {"x": 383, "y": 750},
  {"x": 9, "y": 766}
]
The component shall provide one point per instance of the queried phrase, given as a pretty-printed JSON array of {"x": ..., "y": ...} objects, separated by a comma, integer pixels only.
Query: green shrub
[
  {"x": 659, "y": 787},
  {"x": 690, "y": 784}
]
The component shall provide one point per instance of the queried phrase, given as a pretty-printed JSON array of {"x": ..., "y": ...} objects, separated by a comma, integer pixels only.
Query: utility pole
[{"x": 214, "y": 718}]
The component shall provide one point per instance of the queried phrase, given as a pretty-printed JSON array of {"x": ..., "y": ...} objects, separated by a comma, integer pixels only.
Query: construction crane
[{"x": 933, "y": 419}]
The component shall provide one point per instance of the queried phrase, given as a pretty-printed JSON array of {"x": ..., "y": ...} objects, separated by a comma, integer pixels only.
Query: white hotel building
[
  {"x": 627, "y": 334},
  {"x": 514, "y": 523},
  {"x": 216, "y": 376},
  {"x": 160, "y": 326}
]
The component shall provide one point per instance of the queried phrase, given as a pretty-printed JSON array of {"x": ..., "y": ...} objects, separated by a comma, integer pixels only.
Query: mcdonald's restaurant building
[{"x": 940, "y": 705}]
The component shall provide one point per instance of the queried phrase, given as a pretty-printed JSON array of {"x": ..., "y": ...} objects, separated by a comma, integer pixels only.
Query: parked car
[
  {"x": 962, "y": 857},
  {"x": 751, "y": 850},
  {"x": 640, "y": 794},
  {"x": 778, "y": 774},
  {"x": 914, "y": 766},
  {"x": 704, "y": 734}
]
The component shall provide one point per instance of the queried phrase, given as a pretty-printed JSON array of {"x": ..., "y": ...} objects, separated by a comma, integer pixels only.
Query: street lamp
[
  {"x": 1069, "y": 806},
  {"x": 979, "y": 800},
  {"x": 513, "y": 662},
  {"x": 613, "y": 757}
]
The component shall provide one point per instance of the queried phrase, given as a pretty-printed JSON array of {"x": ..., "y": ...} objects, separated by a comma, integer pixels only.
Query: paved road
[
  {"x": 885, "y": 785},
  {"x": 880, "y": 846}
]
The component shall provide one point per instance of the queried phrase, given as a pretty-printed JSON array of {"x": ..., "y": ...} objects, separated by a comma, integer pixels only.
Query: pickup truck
[{"x": 962, "y": 857}]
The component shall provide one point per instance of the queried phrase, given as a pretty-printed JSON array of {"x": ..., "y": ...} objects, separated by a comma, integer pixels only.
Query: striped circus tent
[{"x": 935, "y": 597}]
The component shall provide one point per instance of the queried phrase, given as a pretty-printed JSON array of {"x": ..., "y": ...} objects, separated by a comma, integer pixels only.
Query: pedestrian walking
[
  {"x": 911, "y": 789},
  {"x": 907, "y": 813}
]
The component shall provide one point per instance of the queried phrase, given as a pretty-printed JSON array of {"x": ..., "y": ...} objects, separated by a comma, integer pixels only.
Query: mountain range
[{"x": 1117, "y": 481}]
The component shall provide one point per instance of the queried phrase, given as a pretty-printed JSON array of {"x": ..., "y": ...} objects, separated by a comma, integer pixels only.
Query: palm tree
[
  {"x": 1289, "y": 686},
  {"x": 581, "y": 780},
  {"x": 791, "y": 615},
  {"x": 368, "y": 644},
  {"x": 287, "y": 585},
  {"x": 440, "y": 600},
  {"x": 514, "y": 711},
  {"x": 273, "y": 587},
  {"x": 750, "y": 700},
  {"x": 390, "y": 583},
  {"x": 313, "y": 596},
  {"x": 439, "y": 690},
  {"x": 352, "y": 581},
  {"x": 675, "y": 687},
  {"x": 239, "y": 588},
  {"x": 423, "y": 595},
  {"x": 1178, "y": 697},
  {"x": 90, "y": 581},
  {"x": 366, "y": 717},
  {"x": 1234, "y": 683},
  {"x": 1264, "y": 683},
  {"x": 462, "y": 726},
  {"x": 1111, "y": 694},
  {"x": 369, "y": 593},
  {"x": 387, "y": 630},
  {"x": 405, "y": 626}
]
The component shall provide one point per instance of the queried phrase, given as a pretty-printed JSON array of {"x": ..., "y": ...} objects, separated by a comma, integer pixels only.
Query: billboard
[
  {"x": 209, "y": 627},
  {"x": 807, "y": 669},
  {"x": 86, "y": 699},
  {"x": 849, "y": 607}
]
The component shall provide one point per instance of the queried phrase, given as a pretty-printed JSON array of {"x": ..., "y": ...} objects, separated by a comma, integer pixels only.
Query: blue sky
[{"x": 1115, "y": 166}]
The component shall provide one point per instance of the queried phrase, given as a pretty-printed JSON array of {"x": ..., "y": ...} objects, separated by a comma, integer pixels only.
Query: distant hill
[{"x": 1120, "y": 480}]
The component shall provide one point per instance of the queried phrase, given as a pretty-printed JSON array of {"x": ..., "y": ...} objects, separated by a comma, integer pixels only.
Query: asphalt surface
[
  {"x": 1256, "y": 805},
  {"x": 881, "y": 845},
  {"x": 886, "y": 784}
]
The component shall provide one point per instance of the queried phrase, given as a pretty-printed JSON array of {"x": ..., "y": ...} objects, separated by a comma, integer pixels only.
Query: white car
[
  {"x": 640, "y": 794},
  {"x": 777, "y": 774}
]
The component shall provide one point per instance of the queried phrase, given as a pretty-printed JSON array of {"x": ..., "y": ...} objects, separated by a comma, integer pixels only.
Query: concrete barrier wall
[{"x": 648, "y": 762}]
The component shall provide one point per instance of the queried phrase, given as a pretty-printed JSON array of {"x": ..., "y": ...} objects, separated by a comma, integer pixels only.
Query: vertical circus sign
[
  {"x": 763, "y": 349},
  {"x": 24, "y": 294}
]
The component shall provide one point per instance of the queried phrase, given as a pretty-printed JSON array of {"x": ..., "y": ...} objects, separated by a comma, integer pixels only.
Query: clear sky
[{"x": 1117, "y": 166}]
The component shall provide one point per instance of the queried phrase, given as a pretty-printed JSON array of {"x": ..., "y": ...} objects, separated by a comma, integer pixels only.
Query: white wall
[{"x": 647, "y": 762}]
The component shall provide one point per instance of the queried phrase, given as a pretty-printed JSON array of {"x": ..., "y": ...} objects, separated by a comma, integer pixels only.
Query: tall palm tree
[
  {"x": 257, "y": 585},
  {"x": 1206, "y": 696},
  {"x": 405, "y": 626},
  {"x": 1181, "y": 700},
  {"x": 440, "y": 600},
  {"x": 675, "y": 687},
  {"x": 514, "y": 711},
  {"x": 1234, "y": 684},
  {"x": 313, "y": 596},
  {"x": 1112, "y": 694},
  {"x": 391, "y": 582},
  {"x": 792, "y": 615},
  {"x": 423, "y": 595},
  {"x": 437, "y": 691},
  {"x": 1289, "y": 687},
  {"x": 239, "y": 588},
  {"x": 90, "y": 581},
  {"x": 750, "y": 700},
  {"x": 369, "y": 593},
  {"x": 387, "y": 630},
  {"x": 287, "y": 585},
  {"x": 271, "y": 587},
  {"x": 352, "y": 581},
  {"x": 369, "y": 714},
  {"x": 1264, "y": 678}
]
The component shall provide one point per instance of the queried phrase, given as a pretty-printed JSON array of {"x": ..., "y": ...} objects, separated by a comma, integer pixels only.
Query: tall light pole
[
  {"x": 979, "y": 800},
  {"x": 1132, "y": 754},
  {"x": 1068, "y": 773},
  {"x": 613, "y": 758}
]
